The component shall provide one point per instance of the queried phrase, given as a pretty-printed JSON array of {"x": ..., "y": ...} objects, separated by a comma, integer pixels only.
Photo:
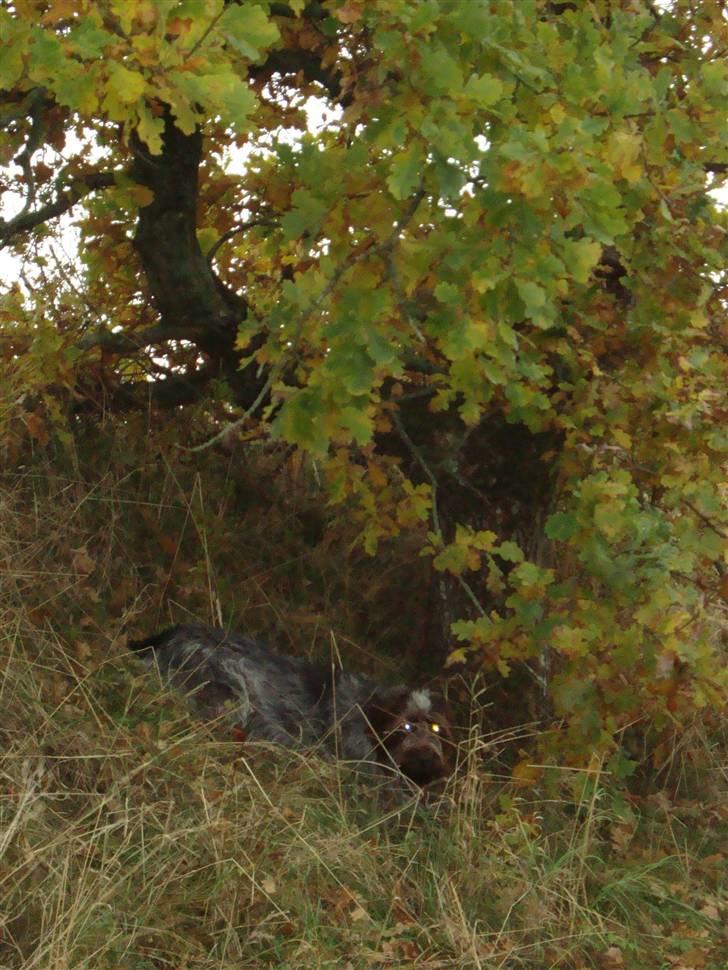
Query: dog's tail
[{"x": 153, "y": 642}]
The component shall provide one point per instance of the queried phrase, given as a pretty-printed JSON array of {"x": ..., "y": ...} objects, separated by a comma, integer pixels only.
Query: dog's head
[{"x": 413, "y": 733}]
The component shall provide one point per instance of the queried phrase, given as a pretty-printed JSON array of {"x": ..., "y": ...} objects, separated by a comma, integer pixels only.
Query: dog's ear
[{"x": 384, "y": 709}]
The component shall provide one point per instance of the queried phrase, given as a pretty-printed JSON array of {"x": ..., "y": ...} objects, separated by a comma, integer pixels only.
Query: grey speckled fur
[{"x": 275, "y": 697}]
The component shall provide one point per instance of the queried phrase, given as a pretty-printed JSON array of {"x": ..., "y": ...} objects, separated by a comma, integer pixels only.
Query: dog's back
[
  {"x": 271, "y": 696},
  {"x": 276, "y": 697}
]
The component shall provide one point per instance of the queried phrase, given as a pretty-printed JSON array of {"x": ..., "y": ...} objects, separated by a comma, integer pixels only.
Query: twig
[
  {"x": 705, "y": 520},
  {"x": 122, "y": 343},
  {"x": 226, "y": 236},
  {"x": 206, "y": 33}
]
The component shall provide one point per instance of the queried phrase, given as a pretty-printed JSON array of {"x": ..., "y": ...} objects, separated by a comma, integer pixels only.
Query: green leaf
[
  {"x": 450, "y": 178},
  {"x": 448, "y": 294},
  {"x": 604, "y": 216},
  {"x": 456, "y": 559},
  {"x": 562, "y": 526},
  {"x": 90, "y": 40},
  {"x": 13, "y": 39},
  {"x": 529, "y": 575},
  {"x": 48, "y": 53},
  {"x": 621, "y": 766},
  {"x": 240, "y": 102},
  {"x": 305, "y": 216},
  {"x": 358, "y": 422},
  {"x": 715, "y": 78},
  {"x": 533, "y": 295},
  {"x": 300, "y": 421},
  {"x": 248, "y": 30},
  {"x": 383, "y": 350},
  {"x": 582, "y": 256},
  {"x": 222, "y": 92},
  {"x": 441, "y": 72},
  {"x": 572, "y": 694},
  {"x": 509, "y": 551},
  {"x": 353, "y": 366},
  {"x": 405, "y": 173},
  {"x": 77, "y": 91},
  {"x": 484, "y": 90}
]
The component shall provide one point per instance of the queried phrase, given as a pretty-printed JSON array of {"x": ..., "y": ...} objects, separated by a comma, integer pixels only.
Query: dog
[{"x": 270, "y": 696}]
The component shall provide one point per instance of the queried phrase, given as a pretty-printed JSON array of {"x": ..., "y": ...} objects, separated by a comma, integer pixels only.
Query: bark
[{"x": 193, "y": 303}]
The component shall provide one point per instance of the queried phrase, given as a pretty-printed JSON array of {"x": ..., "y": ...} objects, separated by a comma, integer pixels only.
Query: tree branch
[
  {"x": 231, "y": 233},
  {"x": 68, "y": 196},
  {"x": 130, "y": 343},
  {"x": 172, "y": 392},
  {"x": 286, "y": 62}
]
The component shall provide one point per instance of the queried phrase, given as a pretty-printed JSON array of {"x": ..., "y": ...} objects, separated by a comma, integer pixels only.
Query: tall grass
[{"x": 133, "y": 837}]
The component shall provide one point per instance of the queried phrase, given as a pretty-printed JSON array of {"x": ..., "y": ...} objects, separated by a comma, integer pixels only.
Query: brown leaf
[
  {"x": 37, "y": 428},
  {"x": 82, "y": 562},
  {"x": 611, "y": 959},
  {"x": 710, "y": 910},
  {"x": 82, "y": 650},
  {"x": 349, "y": 13},
  {"x": 179, "y": 25}
]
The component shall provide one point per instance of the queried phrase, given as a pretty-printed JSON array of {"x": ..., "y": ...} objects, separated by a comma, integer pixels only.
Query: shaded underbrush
[{"x": 133, "y": 837}]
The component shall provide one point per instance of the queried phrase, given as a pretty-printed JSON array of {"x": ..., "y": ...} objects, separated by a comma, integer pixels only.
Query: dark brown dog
[{"x": 274, "y": 697}]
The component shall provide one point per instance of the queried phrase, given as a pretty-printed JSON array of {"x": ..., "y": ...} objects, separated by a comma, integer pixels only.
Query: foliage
[{"x": 489, "y": 291}]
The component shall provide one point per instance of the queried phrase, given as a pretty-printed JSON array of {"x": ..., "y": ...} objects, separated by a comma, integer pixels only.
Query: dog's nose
[{"x": 423, "y": 766}]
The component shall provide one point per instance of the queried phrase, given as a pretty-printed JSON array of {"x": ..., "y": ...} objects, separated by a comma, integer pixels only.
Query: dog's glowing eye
[
  {"x": 406, "y": 726},
  {"x": 435, "y": 728}
]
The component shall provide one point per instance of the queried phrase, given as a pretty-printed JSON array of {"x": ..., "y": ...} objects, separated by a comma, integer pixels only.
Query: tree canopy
[{"x": 466, "y": 254}]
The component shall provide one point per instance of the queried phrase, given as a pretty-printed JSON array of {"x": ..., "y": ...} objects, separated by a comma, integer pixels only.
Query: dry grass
[{"x": 133, "y": 837}]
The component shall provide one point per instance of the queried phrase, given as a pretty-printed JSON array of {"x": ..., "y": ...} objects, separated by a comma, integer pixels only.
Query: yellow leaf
[
  {"x": 503, "y": 667},
  {"x": 623, "y": 152},
  {"x": 128, "y": 86},
  {"x": 677, "y": 620},
  {"x": 150, "y": 130},
  {"x": 141, "y": 195},
  {"x": 207, "y": 237},
  {"x": 525, "y": 774},
  {"x": 458, "y": 656}
]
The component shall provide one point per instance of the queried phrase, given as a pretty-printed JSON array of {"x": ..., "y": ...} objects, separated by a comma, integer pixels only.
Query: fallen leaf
[
  {"x": 81, "y": 561},
  {"x": 268, "y": 886},
  {"x": 611, "y": 959}
]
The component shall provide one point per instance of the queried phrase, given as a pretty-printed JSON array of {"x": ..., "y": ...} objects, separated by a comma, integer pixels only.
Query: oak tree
[{"x": 467, "y": 254}]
